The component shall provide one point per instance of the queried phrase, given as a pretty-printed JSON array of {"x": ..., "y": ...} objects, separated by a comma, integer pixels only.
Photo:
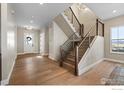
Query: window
[{"x": 117, "y": 39}]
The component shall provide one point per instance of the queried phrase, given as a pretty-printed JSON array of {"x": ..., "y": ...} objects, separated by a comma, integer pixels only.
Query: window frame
[{"x": 112, "y": 52}]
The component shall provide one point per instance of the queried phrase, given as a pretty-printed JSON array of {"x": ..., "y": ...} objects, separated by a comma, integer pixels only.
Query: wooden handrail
[
  {"x": 85, "y": 36},
  {"x": 69, "y": 37},
  {"x": 103, "y": 30},
  {"x": 78, "y": 46},
  {"x": 81, "y": 26},
  {"x": 74, "y": 15},
  {"x": 100, "y": 21},
  {"x": 97, "y": 25},
  {"x": 96, "y": 31}
]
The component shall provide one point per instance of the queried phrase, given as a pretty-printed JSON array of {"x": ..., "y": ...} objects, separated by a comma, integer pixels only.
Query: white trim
[
  {"x": 20, "y": 53},
  {"x": 86, "y": 68},
  {"x": 65, "y": 17},
  {"x": 70, "y": 24},
  {"x": 52, "y": 58},
  {"x": 44, "y": 54},
  {"x": 85, "y": 54},
  {"x": 30, "y": 52},
  {"x": 26, "y": 53},
  {"x": 110, "y": 39},
  {"x": 119, "y": 53},
  {"x": 114, "y": 60},
  {"x": 82, "y": 71},
  {"x": 6, "y": 81}
]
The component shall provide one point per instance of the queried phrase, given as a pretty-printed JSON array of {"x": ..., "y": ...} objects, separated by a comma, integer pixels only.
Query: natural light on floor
[{"x": 39, "y": 56}]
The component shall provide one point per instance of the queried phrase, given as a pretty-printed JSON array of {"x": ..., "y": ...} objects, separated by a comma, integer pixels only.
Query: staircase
[
  {"x": 68, "y": 22},
  {"x": 76, "y": 46}
]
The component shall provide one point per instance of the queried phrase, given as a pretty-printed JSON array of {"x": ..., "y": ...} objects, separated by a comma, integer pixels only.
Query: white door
[{"x": 29, "y": 42}]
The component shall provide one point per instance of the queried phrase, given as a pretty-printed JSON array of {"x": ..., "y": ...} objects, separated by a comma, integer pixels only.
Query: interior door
[{"x": 29, "y": 42}]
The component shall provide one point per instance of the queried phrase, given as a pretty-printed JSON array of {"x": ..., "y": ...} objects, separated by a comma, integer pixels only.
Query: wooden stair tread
[
  {"x": 69, "y": 67},
  {"x": 68, "y": 64},
  {"x": 71, "y": 59},
  {"x": 80, "y": 52},
  {"x": 73, "y": 55}
]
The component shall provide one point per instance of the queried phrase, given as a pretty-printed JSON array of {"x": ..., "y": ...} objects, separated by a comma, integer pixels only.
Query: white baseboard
[
  {"x": 6, "y": 81},
  {"x": 91, "y": 66},
  {"x": 114, "y": 60},
  {"x": 25, "y": 53},
  {"x": 20, "y": 53},
  {"x": 44, "y": 54},
  {"x": 82, "y": 71},
  {"x": 52, "y": 58}
]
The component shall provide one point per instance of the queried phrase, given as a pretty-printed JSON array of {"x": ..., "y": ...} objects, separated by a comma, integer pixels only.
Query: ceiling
[
  {"x": 37, "y": 15},
  {"x": 42, "y": 14},
  {"x": 105, "y": 10}
]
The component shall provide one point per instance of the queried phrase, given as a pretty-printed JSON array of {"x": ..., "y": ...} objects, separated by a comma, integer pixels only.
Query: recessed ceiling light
[
  {"x": 41, "y": 3},
  {"x": 31, "y": 21},
  {"x": 114, "y": 11},
  {"x": 12, "y": 12}
]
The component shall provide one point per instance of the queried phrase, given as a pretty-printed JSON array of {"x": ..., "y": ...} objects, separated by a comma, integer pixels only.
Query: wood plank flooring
[{"x": 38, "y": 70}]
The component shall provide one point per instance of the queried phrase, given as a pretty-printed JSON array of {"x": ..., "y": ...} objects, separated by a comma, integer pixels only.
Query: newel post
[
  {"x": 96, "y": 26},
  {"x": 103, "y": 29},
  {"x": 76, "y": 60},
  {"x": 82, "y": 30}
]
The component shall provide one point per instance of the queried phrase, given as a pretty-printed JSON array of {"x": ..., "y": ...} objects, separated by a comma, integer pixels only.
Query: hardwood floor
[{"x": 38, "y": 70}]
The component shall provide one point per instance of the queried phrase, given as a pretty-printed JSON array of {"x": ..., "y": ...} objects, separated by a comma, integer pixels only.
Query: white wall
[
  {"x": 56, "y": 38},
  {"x": 8, "y": 40},
  {"x": 93, "y": 56},
  {"x": 76, "y": 10},
  {"x": 44, "y": 41},
  {"x": 88, "y": 19},
  {"x": 85, "y": 17},
  {"x": 118, "y": 21},
  {"x": 51, "y": 40},
  {"x": 20, "y": 40}
]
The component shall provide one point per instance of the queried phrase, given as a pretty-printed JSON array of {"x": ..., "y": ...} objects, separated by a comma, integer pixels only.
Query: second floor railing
[{"x": 74, "y": 20}]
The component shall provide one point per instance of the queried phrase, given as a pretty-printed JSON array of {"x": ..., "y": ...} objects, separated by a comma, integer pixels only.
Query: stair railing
[
  {"x": 74, "y": 20},
  {"x": 84, "y": 44},
  {"x": 76, "y": 36},
  {"x": 82, "y": 40},
  {"x": 94, "y": 31},
  {"x": 68, "y": 45}
]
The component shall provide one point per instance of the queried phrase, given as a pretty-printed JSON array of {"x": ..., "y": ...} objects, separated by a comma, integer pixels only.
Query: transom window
[{"x": 117, "y": 39}]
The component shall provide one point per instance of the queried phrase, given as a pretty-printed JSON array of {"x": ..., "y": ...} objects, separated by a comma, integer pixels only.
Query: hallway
[{"x": 37, "y": 70}]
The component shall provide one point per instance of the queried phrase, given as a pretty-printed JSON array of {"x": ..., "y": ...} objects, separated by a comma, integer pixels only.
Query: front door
[{"x": 29, "y": 42}]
